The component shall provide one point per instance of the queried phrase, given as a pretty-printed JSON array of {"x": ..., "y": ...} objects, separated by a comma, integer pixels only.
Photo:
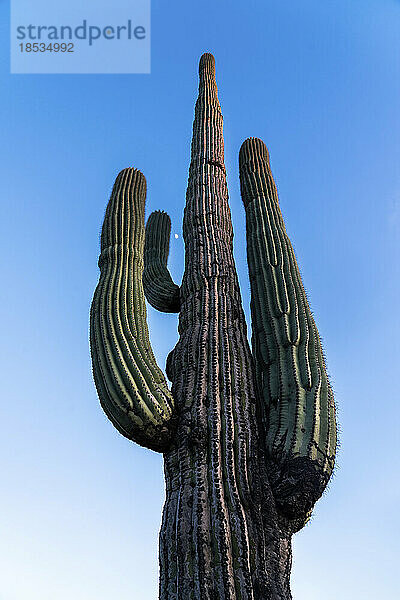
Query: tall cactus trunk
[{"x": 213, "y": 541}]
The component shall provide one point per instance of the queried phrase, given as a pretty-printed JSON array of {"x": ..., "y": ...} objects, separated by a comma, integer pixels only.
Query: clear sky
[{"x": 319, "y": 82}]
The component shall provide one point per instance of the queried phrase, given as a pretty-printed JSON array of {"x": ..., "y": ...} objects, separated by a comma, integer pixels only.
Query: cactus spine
[{"x": 248, "y": 440}]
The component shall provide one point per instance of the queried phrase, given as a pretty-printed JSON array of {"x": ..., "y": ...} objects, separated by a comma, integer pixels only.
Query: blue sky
[{"x": 319, "y": 82}]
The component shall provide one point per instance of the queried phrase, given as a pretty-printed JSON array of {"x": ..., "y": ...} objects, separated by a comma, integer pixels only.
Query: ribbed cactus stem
[
  {"x": 212, "y": 541},
  {"x": 296, "y": 398},
  {"x": 160, "y": 291},
  {"x": 131, "y": 387}
]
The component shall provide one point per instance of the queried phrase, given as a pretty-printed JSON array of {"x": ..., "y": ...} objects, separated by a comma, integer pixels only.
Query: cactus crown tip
[
  {"x": 160, "y": 214},
  {"x": 207, "y": 64},
  {"x": 131, "y": 171},
  {"x": 253, "y": 147}
]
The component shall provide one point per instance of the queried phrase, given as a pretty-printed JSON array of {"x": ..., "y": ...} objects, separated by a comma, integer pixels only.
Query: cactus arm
[
  {"x": 160, "y": 291},
  {"x": 131, "y": 387},
  {"x": 296, "y": 399}
]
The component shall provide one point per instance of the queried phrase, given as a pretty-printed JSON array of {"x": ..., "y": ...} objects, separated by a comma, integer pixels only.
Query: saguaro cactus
[{"x": 248, "y": 437}]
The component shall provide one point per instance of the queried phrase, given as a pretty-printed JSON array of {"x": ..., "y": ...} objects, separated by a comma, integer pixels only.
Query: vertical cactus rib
[
  {"x": 160, "y": 291},
  {"x": 296, "y": 398},
  {"x": 131, "y": 387}
]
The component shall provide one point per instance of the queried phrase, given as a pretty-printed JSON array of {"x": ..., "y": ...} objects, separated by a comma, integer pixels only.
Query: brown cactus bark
[{"x": 220, "y": 537}]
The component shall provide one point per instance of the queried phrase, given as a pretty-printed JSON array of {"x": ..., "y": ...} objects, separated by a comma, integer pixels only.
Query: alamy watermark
[{"x": 48, "y": 37}]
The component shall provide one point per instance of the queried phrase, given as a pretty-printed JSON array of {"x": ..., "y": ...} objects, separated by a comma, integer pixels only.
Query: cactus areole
[{"x": 248, "y": 436}]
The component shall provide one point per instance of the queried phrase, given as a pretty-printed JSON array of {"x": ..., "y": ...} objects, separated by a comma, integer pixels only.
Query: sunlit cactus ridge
[{"x": 248, "y": 436}]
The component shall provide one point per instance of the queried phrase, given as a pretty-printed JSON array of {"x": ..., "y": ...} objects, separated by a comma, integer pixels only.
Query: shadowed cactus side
[
  {"x": 161, "y": 292},
  {"x": 248, "y": 438}
]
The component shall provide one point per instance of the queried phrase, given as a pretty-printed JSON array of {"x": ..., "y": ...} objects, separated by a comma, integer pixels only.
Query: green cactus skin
[
  {"x": 160, "y": 291},
  {"x": 248, "y": 440},
  {"x": 297, "y": 401},
  {"x": 132, "y": 389}
]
